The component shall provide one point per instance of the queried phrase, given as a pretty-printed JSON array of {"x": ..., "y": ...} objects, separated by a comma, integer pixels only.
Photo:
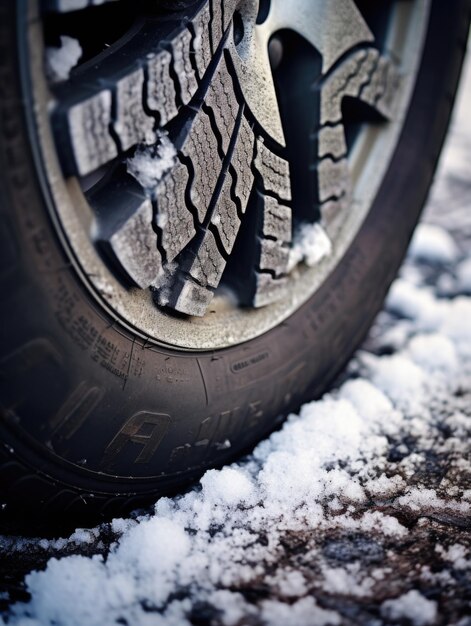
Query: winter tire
[{"x": 202, "y": 206}]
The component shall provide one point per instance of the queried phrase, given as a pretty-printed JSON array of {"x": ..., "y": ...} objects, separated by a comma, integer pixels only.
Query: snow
[
  {"x": 456, "y": 554},
  {"x": 421, "y": 499},
  {"x": 401, "y": 380},
  {"x": 228, "y": 486},
  {"x": 289, "y": 583},
  {"x": 60, "y": 61},
  {"x": 411, "y": 606},
  {"x": 416, "y": 303},
  {"x": 433, "y": 244},
  {"x": 445, "y": 359},
  {"x": 304, "y": 612},
  {"x": 346, "y": 580},
  {"x": 310, "y": 244},
  {"x": 463, "y": 275},
  {"x": 83, "y": 536},
  {"x": 150, "y": 163}
]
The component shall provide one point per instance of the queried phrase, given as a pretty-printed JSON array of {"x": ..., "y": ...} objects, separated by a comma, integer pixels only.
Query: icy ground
[{"x": 357, "y": 512}]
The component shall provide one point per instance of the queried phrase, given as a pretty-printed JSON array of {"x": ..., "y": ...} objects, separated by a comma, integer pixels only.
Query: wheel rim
[{"x": 326, "y": 177}]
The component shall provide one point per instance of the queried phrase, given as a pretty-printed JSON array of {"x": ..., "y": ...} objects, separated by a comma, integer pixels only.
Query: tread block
[
  {"x": 208, "y": 264},
  {"x": 238, "y": 183},
  {"x": 201, "y": 148},
  {"x": 274, "y": 256},
  {"x": 334, "y": 179},
  {"x": 273, "y": 250},
  {"x": 181, "y": 47},
  {"x": 225, "y": 217},
  {"x": 381, "y": 92},
  {"x": 205, "y": 145},
  {"x": 134, "y": 244},
  {"x": 332, "y": 142},
  {"x": 89, "y": 132},
  {"x": 242, "y": 159},
  {"x": 132, "y": 125},
  {"x": 277, "y": 220},
  {"x": 347, "y": 80},
  {"x": 193, "y": 299},
  {"x": 125, "y": 231},
  {"x": 267, "y": 289},
  {"x": 367, "y": 76},
  {"x": 273, "y": 170},
  {"x": 224, "y": 106},
  {"x": 172, "y": 216},
  {"x": 216, "y": 24},
  {"x": 202, "y": 40},
  {"x": 161, "y": 94}
]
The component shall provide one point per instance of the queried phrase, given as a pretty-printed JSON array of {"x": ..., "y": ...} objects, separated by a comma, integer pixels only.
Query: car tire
[{"x": 97, "y": 419}]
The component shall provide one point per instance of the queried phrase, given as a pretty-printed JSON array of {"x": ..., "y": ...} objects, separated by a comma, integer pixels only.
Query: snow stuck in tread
[{"x": 60, "y": 61}]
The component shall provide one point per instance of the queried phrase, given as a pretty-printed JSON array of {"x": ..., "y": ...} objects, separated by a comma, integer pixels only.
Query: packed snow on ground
[
  {"x": 432, "y": 243},
  {"x": 411, "y": 606},
  {"x": 60, "y": 61},
  {"x": 315, "y": 513},
  {"x": 463, "y": 273},
  {"x": 150, "y": 163}
]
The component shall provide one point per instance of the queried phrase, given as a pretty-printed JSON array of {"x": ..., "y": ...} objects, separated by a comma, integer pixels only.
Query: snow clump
[
  {"x": 412, "y": 606},
  {"x": 150, "y": 163},
  {"x": 311, "y": 244},
  {"x": 433, "y": 244},
  {"x": 60, "y": 61},
  {"x": 463, "y": 274}
]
